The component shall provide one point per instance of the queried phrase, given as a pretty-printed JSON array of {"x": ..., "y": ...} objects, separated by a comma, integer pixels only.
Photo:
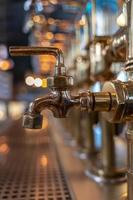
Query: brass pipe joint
[
  {"x": 116, "y": 50},
  {"x": 97, "y": 101},
  {"x": 115, "y": 101}
]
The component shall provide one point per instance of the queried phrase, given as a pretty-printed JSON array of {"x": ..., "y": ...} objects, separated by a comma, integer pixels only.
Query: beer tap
[
  {"x": 59, "y": 101},
  {"x": 107, "y": 50}
]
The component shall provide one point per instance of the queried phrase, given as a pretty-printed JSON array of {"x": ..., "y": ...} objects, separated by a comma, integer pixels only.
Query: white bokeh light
[
  {"x": 38, "y": 82},
  {"x": 29, "y": 80}
]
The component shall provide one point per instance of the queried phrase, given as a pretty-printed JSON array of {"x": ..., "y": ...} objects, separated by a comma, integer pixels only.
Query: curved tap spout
[{"x": 57, "y": 102}]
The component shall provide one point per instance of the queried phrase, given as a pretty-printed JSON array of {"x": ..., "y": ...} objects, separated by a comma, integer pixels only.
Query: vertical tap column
[{"x": 129, "y": 69}]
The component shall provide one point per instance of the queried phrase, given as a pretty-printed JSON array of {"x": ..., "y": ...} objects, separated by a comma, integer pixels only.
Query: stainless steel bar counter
[{"x": 39, "y": 165}]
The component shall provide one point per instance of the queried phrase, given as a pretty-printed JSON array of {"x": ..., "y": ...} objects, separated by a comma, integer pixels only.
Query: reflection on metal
[
  {"x": 115, "y": 100},
  {"x": 110, "y": 164},
  {"x": 105, "y": 50},
  {"x": 110, "y": 173},
  {"x": 45, "y": 123},
  {"x": 83, "y": 187}
]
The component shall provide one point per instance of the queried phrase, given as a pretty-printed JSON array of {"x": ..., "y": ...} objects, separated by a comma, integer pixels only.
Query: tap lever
[
  {"x": 102, "y": 39},
  {"x": 28, "y": 51},
  {"x": 60, "y": 79}
]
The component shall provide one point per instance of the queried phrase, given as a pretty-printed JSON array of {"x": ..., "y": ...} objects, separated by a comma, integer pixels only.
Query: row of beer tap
[{"x": 108, "y": 109}]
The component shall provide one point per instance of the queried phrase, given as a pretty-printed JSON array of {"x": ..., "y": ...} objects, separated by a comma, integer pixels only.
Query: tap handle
[
  {"x": 102, "y": 39},
  {"x": 60, "y": 78},
  {"x": 28, "y": 51}
]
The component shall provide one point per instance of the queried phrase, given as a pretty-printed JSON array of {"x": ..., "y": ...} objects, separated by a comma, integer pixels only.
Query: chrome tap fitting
[
  {"x": 97, "y": 101},
  {"x": 107, "y": 50},
  {"x": 59, "y": 101},
  {"x": 28, "y": 51},
  {"x": 115, "y": 101}
]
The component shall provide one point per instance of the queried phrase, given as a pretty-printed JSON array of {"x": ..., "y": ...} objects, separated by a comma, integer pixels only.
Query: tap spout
[{"x": 58, "y": 103}]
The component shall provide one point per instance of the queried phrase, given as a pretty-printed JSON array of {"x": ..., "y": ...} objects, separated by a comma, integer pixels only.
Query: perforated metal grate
[{"x": 33, "y": 172}]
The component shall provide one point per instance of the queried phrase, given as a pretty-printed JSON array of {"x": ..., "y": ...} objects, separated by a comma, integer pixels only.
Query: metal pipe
[
  {"x": 129, "y": 64},
  {"x": 119, "y": 39},
  {"x": 91, "y": 148},
  {"x": 93, "y": 23},
  {"x": 98, "y": 101},
  {"x": 48, "y": 101},
  {"x": 59, "y": 102},
  {"x": 108, "y": 147},
  {"x": 129, "y": 68},
  {"x": 116, "y": 51},
  {"x": 33, "y": 119},
  {"x": 114, "y": 47}
]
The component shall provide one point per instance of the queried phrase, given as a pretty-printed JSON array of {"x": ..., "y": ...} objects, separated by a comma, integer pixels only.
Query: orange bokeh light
[
  {"x": 46, "y": 63},
  {"x": 5, "y": 65},
  {"x": 4, "y": 149},
  {"x": 44, "y": 161},
  {"x": 49, "y": 35}
]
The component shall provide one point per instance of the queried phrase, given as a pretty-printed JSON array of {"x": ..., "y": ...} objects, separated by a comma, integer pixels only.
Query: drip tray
[{"x": 32, "y": 171}]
